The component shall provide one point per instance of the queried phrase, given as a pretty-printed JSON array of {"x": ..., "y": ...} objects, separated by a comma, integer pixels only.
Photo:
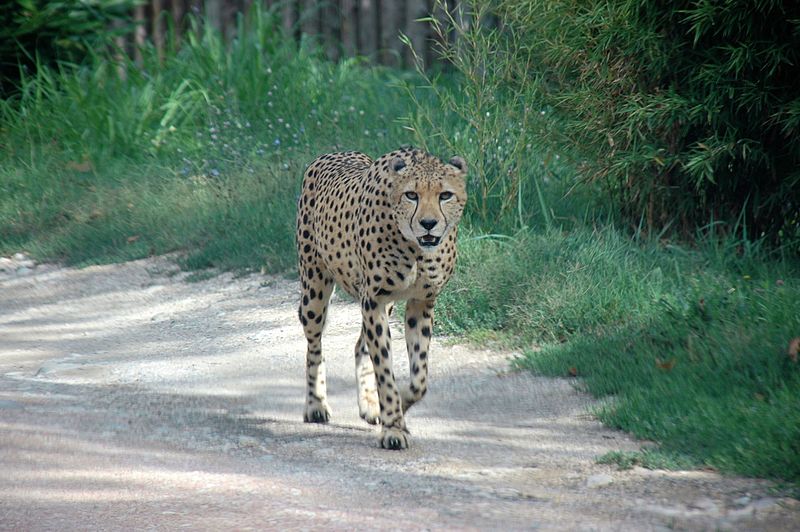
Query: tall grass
[
  {"x": 200, "y": 150},
  {"x": 688, "y": 340}
]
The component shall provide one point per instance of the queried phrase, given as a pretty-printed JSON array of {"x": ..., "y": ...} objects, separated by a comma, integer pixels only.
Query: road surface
[{"x": 134, "y": 398}]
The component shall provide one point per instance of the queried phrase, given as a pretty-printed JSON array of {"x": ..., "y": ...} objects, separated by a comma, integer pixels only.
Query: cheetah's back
[{"x": 326, "y": 223}]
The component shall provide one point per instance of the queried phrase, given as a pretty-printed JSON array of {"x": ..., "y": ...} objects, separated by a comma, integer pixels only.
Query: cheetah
[{"x": 383, "y": 231}]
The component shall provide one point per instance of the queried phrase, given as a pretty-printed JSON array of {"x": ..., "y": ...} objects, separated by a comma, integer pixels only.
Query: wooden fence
[{"x": 344, "y": 28}]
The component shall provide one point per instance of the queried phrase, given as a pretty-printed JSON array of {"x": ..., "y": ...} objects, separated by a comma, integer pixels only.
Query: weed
[
  {"x": 693, "y": 351},
  {"x": 201, "y": 150},
  {"x": 648, "y": 458}
]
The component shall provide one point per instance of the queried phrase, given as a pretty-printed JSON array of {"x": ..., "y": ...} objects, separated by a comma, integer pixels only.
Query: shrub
[
  {"x": 684, "y": 112},
  {"x": 199, "y": 149},
  {"x": 481, "y": 116},
  {"x": 41, "y": 32}
]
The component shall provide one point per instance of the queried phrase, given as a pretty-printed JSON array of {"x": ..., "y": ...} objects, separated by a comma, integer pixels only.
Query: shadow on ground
[{"x": 132, "y": 399}]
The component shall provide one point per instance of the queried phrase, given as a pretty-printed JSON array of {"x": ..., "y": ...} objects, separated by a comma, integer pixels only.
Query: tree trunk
[
  {"x": 177, "y": 19},
  {"x": 230, "y": 14},
  {"x": 214, "y": 14},
  {"x": 140, "y": 36},
  {"x": 349, "y": 25},
  {"x": 392, "y": 23},
  {"x": 417, "y": 32},
  {"x": 330, "y": 21},
  {"x": 309, "y": 18},
  {"x": 368, "y": 28},
  {"x": 157, "y": 27},
  {"x": 289, "y": 18}
]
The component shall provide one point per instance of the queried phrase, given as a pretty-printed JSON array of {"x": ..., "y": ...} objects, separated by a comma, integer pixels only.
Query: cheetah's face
[{"x": 428, "y": 197}]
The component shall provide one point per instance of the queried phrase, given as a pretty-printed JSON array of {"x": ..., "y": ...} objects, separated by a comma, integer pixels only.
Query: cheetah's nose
[{"x": 428, "y": 223}]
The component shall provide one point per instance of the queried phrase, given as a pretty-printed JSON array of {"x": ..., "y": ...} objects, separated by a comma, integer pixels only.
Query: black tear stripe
[{"x": 411, "y": 221}]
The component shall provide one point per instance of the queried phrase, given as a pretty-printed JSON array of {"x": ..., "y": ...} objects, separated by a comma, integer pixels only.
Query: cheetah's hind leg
[
  {"x": 316, "y": 292},
  {"x": 368, "y": 406}
]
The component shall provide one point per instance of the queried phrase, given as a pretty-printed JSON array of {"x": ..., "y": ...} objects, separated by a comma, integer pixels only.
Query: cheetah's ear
[
  {"x": 397, "y": 164},
  {"x": 459, "y": 163}
]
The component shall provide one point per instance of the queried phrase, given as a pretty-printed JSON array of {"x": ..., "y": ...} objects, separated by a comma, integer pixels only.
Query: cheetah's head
[{"x": 428, "y": 196}]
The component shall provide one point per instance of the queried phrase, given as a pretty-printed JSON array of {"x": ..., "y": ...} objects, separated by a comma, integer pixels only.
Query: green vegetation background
[{"x": 598, "y": 252}]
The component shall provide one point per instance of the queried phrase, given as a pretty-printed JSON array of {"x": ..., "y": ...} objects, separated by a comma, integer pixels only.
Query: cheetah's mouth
[{"x": 428, "y": 241}]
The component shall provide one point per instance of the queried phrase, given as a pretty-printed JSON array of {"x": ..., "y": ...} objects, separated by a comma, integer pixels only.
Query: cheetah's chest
[{"x": 419, "y": 278}]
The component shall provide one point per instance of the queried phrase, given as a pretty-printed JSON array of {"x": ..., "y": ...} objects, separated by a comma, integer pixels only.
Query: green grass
[
  {"x": 689, "y": 345},
  {"x": 202, "y": 153},
  {"x": 648, "y": 458}
]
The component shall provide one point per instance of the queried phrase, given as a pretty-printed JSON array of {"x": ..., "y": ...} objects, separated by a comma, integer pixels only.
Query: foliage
[
  {"x": 684, "y": 112},
  {"x": 697, "y": 380},
  {"x": 35, "y": 32},
  {"x": 200, "y": 150},
  {"x": 481, "y": 119},
  {"x": 649, "y": 458},
  {"x": 690, "y": 346}
]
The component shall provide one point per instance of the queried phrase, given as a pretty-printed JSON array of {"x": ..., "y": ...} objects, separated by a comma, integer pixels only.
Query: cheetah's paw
[
  {"x": 319, "y": 413},
  {"x": 395, "y": 439}
]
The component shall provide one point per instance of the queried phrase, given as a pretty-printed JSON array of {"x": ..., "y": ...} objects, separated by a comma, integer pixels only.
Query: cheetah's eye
[
  {"x": 445, "y": 196},
  {"x": 411, "y": 195}
]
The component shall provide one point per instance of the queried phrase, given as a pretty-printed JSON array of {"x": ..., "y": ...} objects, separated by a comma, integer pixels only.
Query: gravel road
[{"x": 133, "y": 399}]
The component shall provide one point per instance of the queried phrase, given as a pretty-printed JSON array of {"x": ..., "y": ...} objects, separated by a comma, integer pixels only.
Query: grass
[
  {"x": 647, "y": 458},
  {"x": 202, "y": 152},
  {"x": 690, "y": 346}
]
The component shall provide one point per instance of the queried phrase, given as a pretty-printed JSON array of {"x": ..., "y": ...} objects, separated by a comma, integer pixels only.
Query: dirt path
[{"x": 133, "y": 399}]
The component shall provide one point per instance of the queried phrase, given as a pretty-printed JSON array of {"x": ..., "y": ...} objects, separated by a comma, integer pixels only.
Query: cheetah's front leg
[
  {"x": 394, "y": 434},
  {"x": 419, "y": 327}
]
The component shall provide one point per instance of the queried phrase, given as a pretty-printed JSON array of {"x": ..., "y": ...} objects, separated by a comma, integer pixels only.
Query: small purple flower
[{"x": 276, "y": 142}]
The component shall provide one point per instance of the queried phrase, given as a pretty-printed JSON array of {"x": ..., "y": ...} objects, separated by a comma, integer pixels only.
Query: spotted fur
[{"x": 382, "y": 230}]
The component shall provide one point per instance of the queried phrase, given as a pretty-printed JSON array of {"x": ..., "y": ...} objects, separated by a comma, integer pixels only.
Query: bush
[
  {"x": 684, "y": 112},
  {"x": 479, "y": 115},
  {"x": 199, "y": 149},
  {"x": 36, "y": 32}
]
